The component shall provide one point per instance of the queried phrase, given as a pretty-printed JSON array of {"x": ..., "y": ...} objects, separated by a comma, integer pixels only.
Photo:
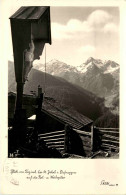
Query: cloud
[
  {"x": 59, "y": 31},
  {"x": 110, "y": 28},
  {"x": 71, "y": 29},
  {"x": 78, "y": 26},
  {"x": 98, "y": 20},
  {"x": 87, "y": 49}
]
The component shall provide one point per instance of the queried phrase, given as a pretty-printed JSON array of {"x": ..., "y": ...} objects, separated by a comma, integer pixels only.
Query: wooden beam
[
  {"x": 82, "y": 132},
  {"x": 54, "y": 132},
  {"x": 46, "y": 137}
]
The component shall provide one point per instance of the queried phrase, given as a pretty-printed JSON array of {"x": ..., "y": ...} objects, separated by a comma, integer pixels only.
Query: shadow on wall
[
  {"x": 97, "y": 140},
  {"x": 76, "y": 144}
]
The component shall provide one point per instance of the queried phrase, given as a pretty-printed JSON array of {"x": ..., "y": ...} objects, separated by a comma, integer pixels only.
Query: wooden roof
[
  {"x": 70, "y": 117},
  {"x": 30, "y": 13},
  {"x": 75, "y": 120}
]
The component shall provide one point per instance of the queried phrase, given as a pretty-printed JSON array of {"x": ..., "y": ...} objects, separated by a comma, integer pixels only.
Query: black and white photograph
[
  {"x": 63, "y": 99},
  {"x": 63, "y": 82}
]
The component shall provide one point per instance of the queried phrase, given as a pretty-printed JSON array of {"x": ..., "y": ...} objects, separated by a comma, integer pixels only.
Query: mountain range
[
  {"x": 96, "y": 76},
  {"x": 77, "y": 88},
  {"x": 62, "y": 93}
]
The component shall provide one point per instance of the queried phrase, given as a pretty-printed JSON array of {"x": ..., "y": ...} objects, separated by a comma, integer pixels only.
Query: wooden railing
[
  {"x": 81, "y": 142},
  {"x": 109, "y": 138},
  {"x": 69, "y": 141},
  {"x": 54, "y": 139}
]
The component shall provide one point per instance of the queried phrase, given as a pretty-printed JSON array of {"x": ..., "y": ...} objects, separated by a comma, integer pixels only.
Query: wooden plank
[
  {"x": 107, "y": 128},
  {"x": 55, "y": 139},
  {"x": 112, "y": 141},
  {"x": 109, "y": 131},
  {"x": 82, "y": 132},
  {"x": 48, "y": 143},
  {"x": 110, "y": 136},
  {"x": 54, "y": 132},
  {"x": 53, "y": 136},
  {"x": 114, "y": 144},
  {"x": 109, "y": 146},
  {"x": 60, "y": 149},
  {"x": 56, "y": 146},
  {"x": 106, "y": 148}
]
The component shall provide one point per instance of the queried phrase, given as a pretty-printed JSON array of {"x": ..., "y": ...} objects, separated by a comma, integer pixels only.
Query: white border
[{"x": 89, "y": 172}]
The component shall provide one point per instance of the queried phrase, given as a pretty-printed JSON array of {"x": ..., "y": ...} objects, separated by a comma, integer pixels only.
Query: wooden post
[
  {"x": 39, "y": 91},
  {"x": 40, "y": 100},
  {"x": 19, "y": 123},
  {"x": 19, "y": 97},
  {"x": 67, "y": 139},
  {"x": 19, "y": 127},
  {"x": 38, "y": 112},
  {"x": 92, "y": 138}
]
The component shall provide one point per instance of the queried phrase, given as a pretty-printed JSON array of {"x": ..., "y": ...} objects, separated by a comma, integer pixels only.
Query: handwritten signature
[{"x": 107, "y": 183}]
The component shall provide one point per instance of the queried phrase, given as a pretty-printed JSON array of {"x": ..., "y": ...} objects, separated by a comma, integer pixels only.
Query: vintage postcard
[{"x": 62, "y": 115}]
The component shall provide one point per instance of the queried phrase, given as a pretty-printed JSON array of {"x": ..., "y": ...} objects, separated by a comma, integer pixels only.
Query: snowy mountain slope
[
  {"x": 56, "y": 67},
  {"x": 94, "y": 75},
  {"x": 73, "y": 97},
  {"x": 105, "y": 66},
  {"x": 97, "y": 76},
  {"x": 65, "y": 95}
]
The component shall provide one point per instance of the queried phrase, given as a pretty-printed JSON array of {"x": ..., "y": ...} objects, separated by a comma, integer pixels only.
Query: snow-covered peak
[
  {"x": 54, "y": 60},
  {"x": 112, "y": 64},
  {"x": 90, "y": 59},
  {"x": 111, "y": 70},
  {"x": 94, "y": 61},
  {"x": 84, "y": 67},
  {"x": 55, "y": 67},
  {"x": 89, "y": 64},
  {"x": 104, "y": 66},
  {"x": 110, "y": 67},
  {"x": 58, "y": 65}
]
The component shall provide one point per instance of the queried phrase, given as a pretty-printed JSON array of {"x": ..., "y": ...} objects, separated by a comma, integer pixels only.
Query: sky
[{"x": 81, "y": 32}]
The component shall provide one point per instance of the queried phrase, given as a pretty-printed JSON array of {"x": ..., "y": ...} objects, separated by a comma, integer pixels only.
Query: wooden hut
[{"x": 66, "y": 130}]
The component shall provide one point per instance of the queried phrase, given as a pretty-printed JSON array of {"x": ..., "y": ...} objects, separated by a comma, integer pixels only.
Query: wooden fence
[
  {"x": 82, "y": 143},
  {"x": 54, "y": 139},
  {"x": 108, "y": 138},
  {"x": 72, "y": 141}
]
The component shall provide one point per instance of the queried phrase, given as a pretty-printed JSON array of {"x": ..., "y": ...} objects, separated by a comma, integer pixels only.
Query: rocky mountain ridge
[
  {"x": 66, "y": 96},
  {"x": 94, "y": 75},
  {"x": 55, "y": 67}
]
